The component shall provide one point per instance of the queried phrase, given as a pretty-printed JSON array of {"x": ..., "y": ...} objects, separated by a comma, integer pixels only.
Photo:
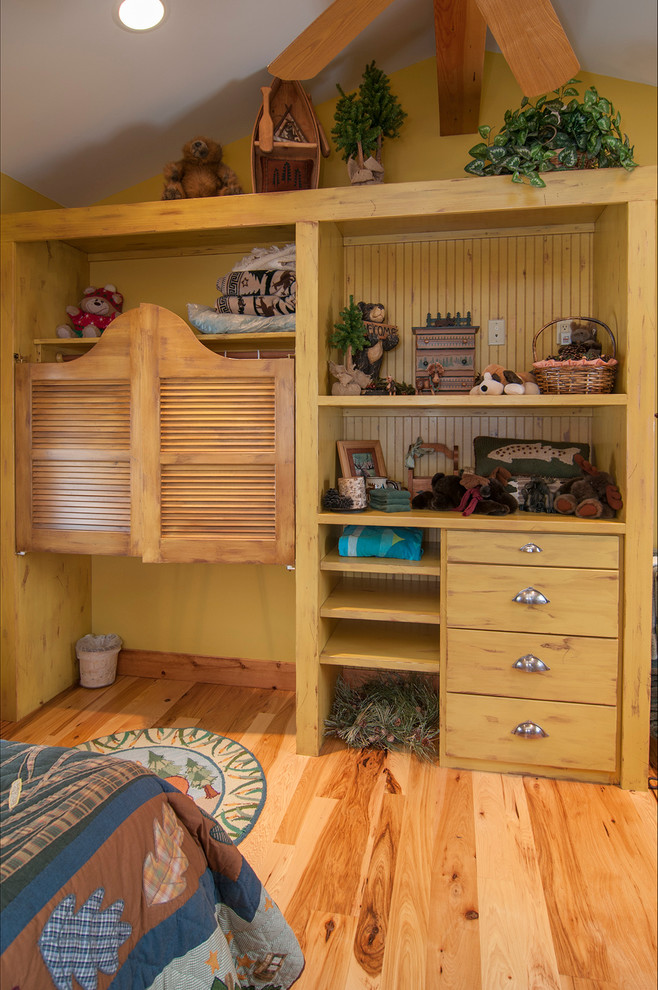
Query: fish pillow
[{"x": 547, "y": 458}]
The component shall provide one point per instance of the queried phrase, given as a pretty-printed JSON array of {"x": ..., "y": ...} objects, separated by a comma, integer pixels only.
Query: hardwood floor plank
[
  {"x": 453, "y": 947},
  {"x": 406, "y": 944},
  {"x": 340, "y": 848},
  {"x": 598, "y": 868},
  {"x": 292, "y": 862},
  {"x": 374, "y": 914},
  {"x": 516, "y": 947},
  {"x": 142, "y": 711},
  {"x": 328, "y": 939}
]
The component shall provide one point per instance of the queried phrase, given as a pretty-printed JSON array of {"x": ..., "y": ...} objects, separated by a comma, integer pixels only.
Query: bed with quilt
[{"x": 113, "y": 878}]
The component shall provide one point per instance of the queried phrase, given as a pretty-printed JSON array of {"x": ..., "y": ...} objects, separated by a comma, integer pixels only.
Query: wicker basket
[
  {"x": 97, "y": 656},
  {"x": 583, "y": 377}
]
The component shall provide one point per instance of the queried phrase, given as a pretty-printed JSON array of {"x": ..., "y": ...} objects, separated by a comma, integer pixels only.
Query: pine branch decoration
[{"x": 387, "y": 713}]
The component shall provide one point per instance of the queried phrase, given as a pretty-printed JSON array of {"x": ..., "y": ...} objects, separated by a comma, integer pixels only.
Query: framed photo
[{"x": 361, "y": 458}]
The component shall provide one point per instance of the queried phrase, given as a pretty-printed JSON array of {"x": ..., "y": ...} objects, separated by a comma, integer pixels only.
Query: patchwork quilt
[{"x": 113, "y": 878}]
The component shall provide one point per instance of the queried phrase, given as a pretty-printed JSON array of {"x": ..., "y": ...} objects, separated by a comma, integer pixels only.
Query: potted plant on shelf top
[
  {"x": 362, "y": 121},
  {"x": 556, "y": 132}
]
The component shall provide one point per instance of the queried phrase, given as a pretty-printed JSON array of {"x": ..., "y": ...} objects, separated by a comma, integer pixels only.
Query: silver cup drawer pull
[
  {"x": 529, "y": 730},
  {"x": 531, "y": 664},
  {"x": 530, "y": 596},
  {"x": 530, "y": 548}
]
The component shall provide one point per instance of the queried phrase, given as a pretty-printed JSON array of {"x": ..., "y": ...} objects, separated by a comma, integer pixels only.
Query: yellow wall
[
  {"x": 17, "y": 198},
  {"x": 420, "y": 153}
]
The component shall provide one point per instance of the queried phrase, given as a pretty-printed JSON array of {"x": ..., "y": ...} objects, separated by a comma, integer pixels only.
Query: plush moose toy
[{"x": 593, "y": 496}]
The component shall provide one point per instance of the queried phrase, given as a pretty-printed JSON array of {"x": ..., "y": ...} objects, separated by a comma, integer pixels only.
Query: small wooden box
[{"x": 448, "y": 342}]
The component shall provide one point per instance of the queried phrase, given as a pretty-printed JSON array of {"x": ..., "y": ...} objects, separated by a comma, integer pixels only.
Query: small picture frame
[{"x": 361, "y": 458}]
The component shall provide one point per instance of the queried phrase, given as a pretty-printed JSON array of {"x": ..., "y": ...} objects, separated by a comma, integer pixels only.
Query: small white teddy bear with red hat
[{"x": 98, "y": 307}]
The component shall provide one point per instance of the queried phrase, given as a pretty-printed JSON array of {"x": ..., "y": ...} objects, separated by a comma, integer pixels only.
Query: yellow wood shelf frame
[
  {"x": 429, "y": 564},
  {"x": 393, "y": 601},
  {"x": 384, "y": 646}
]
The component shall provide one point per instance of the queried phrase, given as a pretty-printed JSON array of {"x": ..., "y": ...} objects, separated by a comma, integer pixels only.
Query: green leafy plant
[
  {"x": 553, "y": 133},
  {"x": 363, "y": 119},
  {"x": 350, "y": 335}
]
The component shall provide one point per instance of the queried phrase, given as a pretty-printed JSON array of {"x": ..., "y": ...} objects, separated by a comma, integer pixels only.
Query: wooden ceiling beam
[{"x": 460, "y": 36}]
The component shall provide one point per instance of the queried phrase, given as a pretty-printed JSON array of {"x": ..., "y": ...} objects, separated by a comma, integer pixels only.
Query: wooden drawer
[
  {"x": 580, "y": 602},
  {"x": 580, "y": 668},
  {"x": 579, "y": 737},
  {"x": 557, "y": 550}
]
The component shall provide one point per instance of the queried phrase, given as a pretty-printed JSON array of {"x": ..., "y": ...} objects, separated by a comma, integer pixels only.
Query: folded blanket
[
  {"x": 256, "y": 305},
  {"x": 381, "y": 541},
  {"x": 273, "y": 257},
  {"x": 389, "y": 500},
  {"x": 208, "y": 320},
  {"x": 258, "y": 283}
]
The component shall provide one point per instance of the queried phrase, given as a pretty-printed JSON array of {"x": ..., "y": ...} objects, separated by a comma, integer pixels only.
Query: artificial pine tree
[
  {"x": 350, "y": 335},
  {"x": 364, "y": 119},
  {"x": 381, "y": 105}
]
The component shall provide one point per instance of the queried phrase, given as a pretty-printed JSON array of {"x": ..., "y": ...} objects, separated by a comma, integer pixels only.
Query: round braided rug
[{"x": 223, "y": 778}]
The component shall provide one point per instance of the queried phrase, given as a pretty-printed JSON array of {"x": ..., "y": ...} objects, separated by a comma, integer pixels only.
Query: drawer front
[
  {"x": 578, "y": 668},
  {"x": 452, "y": 362},
  {"x": 553, "y": 549},
  {"x": 439, "y": 341},
  {"x": 447, "y": 383},
  {"x": 578, "y": 737},
  {"x": 579, "y": 602}
]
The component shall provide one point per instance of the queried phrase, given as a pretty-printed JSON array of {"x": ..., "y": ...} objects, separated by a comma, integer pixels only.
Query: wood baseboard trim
[{"x": 208, "y": 670}]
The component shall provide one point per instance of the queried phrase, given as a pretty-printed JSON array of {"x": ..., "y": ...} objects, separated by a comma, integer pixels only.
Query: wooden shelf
[
  {"x": 278, "y": 336},
  {"x": 429, "y": 564},
  {"x": 533, "y": 522},
  {"x": 383, "y": 645},
  {"x": 357, "y": 405},
  {"x": 392, "y": 601}
]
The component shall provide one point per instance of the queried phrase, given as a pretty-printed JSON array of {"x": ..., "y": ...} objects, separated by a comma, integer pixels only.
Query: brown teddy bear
[
  {"x": 200, "y": 172},
  {"x": 98, "y": 307},
  {"x": 594, "y": 496}
]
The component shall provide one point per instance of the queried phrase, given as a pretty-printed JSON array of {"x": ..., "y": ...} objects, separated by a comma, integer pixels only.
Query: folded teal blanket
[
  {"x": 390, "y": 501},
  {"x": 381, "y": 541}
]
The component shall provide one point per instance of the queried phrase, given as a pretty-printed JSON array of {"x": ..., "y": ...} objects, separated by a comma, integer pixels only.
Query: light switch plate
[
  {"x": 496, "y": 332},
  {"x": 564, "y": 332}
]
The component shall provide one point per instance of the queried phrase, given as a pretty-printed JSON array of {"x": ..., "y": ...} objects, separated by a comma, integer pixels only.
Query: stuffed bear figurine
[
  {"x": 200, "y": 172},
  {"x": 467, "y": 493},
  {"x": 593, "y": 496},
  {"x": 98, "y": 307}
]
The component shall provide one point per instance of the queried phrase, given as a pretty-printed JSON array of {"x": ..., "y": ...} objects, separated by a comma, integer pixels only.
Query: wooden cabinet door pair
[{"x": 151, "y": 445}]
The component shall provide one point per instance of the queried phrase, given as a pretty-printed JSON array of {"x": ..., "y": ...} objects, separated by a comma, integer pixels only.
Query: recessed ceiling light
[{"x": 141, "y": 15}]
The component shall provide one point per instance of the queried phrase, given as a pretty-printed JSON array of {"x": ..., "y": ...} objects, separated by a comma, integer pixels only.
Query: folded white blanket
[{"x": 268, "y": 282}]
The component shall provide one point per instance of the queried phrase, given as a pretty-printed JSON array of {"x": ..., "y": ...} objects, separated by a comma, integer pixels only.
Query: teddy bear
[
  {"x": 496, "y": 379},
  {"x": 200, "y": 172},
  {"x": 584, "y": 343},
  {"x": 592, "y": 496},
  {"x": 98, "y": 307},
  {"x": 468, "y": 493}
]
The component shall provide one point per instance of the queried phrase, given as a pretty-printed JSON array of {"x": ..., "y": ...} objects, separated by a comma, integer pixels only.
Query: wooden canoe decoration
[{"x": 287, "y": 141}]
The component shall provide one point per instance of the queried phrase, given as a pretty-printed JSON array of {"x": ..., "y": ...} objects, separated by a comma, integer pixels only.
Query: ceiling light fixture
[{"x": 141, "y": 15}]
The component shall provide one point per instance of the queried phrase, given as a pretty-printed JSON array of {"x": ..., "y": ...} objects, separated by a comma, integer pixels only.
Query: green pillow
[{"x": 547, "y": 458}]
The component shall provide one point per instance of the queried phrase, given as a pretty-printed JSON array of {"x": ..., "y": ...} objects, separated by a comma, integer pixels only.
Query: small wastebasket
[{"x": 97, "y": 656}]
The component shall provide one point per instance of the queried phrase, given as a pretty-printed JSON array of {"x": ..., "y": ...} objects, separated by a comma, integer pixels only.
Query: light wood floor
[{"x": 396, "y": 875}]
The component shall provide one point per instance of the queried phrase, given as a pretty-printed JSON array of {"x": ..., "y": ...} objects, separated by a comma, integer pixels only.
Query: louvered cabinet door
[
  {"x": 73, "y": 452},
  {"x": 218, "y": 451}
]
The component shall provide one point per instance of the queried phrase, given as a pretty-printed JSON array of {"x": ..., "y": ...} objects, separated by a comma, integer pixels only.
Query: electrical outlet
[
  {"x": 496, "y": 332},
  {"x": 563, "y": 332}
]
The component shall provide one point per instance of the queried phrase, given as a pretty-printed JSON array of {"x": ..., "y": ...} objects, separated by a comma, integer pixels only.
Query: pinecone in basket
[{"x": 332, "y": 499}]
